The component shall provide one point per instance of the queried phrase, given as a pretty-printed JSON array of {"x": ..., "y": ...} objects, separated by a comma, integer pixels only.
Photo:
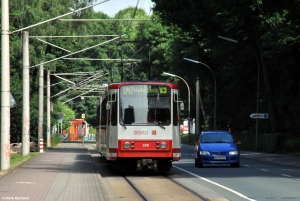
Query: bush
[
  {"x": 55, "y": 139},
  {"x": 185, "y": 138},
  {"x": 292, "y": 146},
  {"x": 247, "y": 139},
  {"x": 270, "y": 142}
]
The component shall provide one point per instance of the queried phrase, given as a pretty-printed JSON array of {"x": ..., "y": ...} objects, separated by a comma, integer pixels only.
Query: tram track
[
  {"x": 157, "y": 187},
  {"x": 143, "y": 198},
  {"x": 145, "y": 185}
]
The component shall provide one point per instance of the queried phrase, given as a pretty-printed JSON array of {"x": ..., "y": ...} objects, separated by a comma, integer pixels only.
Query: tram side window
[
  {"x": 114, "y": 110},
  {"x": 104, "y": 112},
  {"x": 175, "y": 111},
  {"x": 97, "y": 115}
]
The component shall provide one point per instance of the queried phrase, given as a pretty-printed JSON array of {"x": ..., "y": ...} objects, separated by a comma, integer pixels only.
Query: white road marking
[
  {"x": 285, "y": 175},
  {"x": 24, "y": 182},
  {"x": 224, "y": 187},
  {"x": 264, "y": 170}
]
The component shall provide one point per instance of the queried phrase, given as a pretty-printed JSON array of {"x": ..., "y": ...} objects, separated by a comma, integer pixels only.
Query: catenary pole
[
  {"x": 26, "y": 96},
  {"x": 48, "y": 111},
  {"x": 5, "y": 87},
  {"x": 41, "y": 108}
]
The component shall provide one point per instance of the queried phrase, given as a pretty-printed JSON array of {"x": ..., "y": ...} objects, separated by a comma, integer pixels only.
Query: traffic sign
[{"x": 259, "y": 115}]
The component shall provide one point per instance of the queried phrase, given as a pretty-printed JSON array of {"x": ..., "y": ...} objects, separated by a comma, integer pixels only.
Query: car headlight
[
  {"x": 234, "y": 152},
  {"x": 204, "y": 153}
]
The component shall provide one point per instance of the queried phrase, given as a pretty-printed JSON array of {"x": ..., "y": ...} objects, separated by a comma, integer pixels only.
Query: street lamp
[
  {"x": 257, "y": 95},
  {"x": 215, "y": 98},
  {"x": 189, "y": 102}
]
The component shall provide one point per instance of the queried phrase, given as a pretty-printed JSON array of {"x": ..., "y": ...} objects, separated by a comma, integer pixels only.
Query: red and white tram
[{"x": 138, "y": 125}]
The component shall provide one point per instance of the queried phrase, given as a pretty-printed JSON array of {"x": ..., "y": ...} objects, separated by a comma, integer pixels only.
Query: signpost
[{"x": 259, "y": 115}]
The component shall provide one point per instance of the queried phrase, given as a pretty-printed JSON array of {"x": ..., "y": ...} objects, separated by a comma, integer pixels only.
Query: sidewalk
[
  {"x": 65, "y": 172},
  {"x": 274, "y": 158}
]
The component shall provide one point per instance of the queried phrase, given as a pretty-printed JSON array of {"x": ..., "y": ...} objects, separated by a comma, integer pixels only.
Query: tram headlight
[
  {"x": 126, "y": 145},
  {"x": 163, "y": 145}
]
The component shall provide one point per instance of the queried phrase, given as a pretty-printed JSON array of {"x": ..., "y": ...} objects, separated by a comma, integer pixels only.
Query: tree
[{"x": 268, "y": 28}]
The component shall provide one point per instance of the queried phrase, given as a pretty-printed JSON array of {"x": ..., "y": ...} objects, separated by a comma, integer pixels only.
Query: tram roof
[{"x": 117, "y": 85}]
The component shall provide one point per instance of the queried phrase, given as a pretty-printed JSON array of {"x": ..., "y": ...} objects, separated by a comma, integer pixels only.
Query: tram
[{"x": 138, "y": 125}]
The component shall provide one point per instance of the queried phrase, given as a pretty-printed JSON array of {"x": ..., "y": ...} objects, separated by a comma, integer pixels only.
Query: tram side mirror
[
  {"x": 181, "y": 106},
  {"x": 13, "y": 102},
  {"x": 107, "y": 106}
]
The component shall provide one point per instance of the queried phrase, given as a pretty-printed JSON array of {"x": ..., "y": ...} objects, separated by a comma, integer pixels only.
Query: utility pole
[
  {"x": 197, "y": 129},
  {"x": 48, "y": 111},
  {"x": 41, "y": 108},
  {"x": 5, "y": 87},
  {"x": 26, "y": 96}
]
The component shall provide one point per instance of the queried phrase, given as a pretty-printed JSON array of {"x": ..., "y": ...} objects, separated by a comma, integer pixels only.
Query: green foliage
[
  {"x": 17, "y": 159},
  {"x": 292, "y": 146},
  {"x": 92, "y": 130},
  {"x": 55, "y": 139},
  {"x": 189, "y": 139},
  {"x": 68, "y": 113},
  {"x": 268, "y": 30}
]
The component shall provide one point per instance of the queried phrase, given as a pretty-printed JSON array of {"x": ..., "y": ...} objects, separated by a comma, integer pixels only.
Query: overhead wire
[{"x": 144, "y": 21}]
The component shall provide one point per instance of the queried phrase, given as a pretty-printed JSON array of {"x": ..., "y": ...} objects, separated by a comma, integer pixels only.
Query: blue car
[{"x": 217, "y": 147}]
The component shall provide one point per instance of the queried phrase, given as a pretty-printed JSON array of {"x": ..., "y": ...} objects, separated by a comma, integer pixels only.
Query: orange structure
[
  {"x": 77, "y": 130},
  {"x": 64, "y": 132}
]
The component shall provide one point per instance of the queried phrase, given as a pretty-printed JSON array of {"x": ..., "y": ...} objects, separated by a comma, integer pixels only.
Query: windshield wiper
[
  {"x": 123, "y": 125},
  {"x": 160, "y": 125}
]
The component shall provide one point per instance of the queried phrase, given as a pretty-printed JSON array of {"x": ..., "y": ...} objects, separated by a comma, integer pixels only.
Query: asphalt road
[{"x": 261, "y": 177}]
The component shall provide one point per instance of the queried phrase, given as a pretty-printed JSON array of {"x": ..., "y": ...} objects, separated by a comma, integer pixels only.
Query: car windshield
[{"x": 216, "y": 138}]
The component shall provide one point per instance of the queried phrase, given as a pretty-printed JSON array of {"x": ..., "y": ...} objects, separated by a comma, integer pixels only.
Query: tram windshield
[{"x": 145, "y": 104}]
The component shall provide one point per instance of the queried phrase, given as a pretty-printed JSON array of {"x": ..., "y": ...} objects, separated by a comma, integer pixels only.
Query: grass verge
[{"x": 16, "y": 160}]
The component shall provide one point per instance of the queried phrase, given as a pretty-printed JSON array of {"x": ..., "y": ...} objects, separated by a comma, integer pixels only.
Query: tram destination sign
[
  {"x": 259, "y": 115},
  {"x": 142, "y": 89}
]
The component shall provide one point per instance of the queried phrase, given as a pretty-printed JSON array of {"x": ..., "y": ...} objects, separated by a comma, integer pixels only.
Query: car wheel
[
  {"x": 235, "y": 165},
  {"x": 196, "y": 162}
]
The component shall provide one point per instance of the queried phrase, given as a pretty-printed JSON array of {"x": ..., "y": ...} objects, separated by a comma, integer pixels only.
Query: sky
[{"x": 111, "y": 7}]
